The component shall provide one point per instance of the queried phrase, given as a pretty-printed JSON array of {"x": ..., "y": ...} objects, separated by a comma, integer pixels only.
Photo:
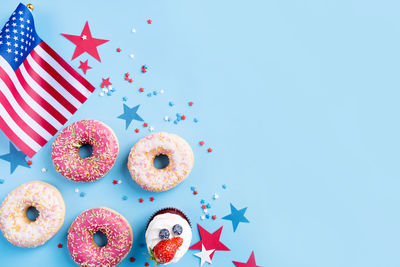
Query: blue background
[{"x": 298, "y": 99}]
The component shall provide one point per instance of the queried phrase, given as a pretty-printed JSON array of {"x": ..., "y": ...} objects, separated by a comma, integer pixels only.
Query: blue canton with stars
[
  {"x": 129, "y": 115},
  {"x": 236, "y": 216},
  {"x": 18, "y": 37},
  {"x": 16, "y": 158}
]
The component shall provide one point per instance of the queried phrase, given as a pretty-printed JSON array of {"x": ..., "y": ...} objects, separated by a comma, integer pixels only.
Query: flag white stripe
[
  {"x": 46, "y": 96},
  {"x": 64, "y": 73},
  {"x": 17, "y": 130},
  {"x": 45, "y": 76},
  {"x": 17, "y": 108}
]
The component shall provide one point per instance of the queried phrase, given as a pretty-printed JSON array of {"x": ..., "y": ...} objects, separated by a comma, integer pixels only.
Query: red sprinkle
[
  {"x": 29, "y": 162},
  {"x": 190, "y": 103},
  {"x": 118, "y": 49},
  {"x": 141, "y": 90},
  {"x": 136, "y": 130},
  {"x": 59, "y": 245},
  {"x": 195, "y": 192},
  {"x": 149, "y": 21},
  {"x": 115, "y": 182},
  {"x": 209, "y": 150},
  {"x": 183, "y": 117},
  {"x": 132, "y": 259},
  {"x": 140, "y": 200},
  {"x": 145, "y": 124},
  {"x": 201, "y": 143},
  {"x": 151, "y": 198},
  {"x": 130, "y": 80},
  {"x": 214, "y": 217}
]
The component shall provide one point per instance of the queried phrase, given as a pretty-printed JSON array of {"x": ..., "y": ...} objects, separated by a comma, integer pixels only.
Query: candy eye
[
  {"x": 177, "y": 229},
  {"x": 164, "y": 234}
]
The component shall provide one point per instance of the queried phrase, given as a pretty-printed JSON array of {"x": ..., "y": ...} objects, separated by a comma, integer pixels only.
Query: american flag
[{"x": 39, "y": 91}]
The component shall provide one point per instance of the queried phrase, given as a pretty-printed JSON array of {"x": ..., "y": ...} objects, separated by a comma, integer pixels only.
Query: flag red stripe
[
  {"x": 20, "y": 122},
  {"x": 28, "y": 110},
  {"x": 46, "y": 86},
  {"x": 66, "y": 66},
  {"x": 15, "y": 139},
  {"x": 60, "y": 79},
  {"x": 40, "y": 100}
]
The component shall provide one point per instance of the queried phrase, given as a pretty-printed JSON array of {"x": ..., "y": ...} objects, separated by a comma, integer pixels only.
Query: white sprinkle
[
  {"x": 76, "y": 190},
  {"x": 132, "y": 55},
  {"x": 44, "y": 170},
  {"x": 133, "y": 30},
  {"x": 215, "y": 196}
]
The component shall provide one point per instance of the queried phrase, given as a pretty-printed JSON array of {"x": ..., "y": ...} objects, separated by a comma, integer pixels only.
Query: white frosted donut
[
  {"x": 16, "y": 226},
  {"x": 141, "y": 157}
]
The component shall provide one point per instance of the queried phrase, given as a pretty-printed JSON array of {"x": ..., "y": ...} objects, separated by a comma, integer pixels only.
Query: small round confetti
[
  {"x": 124, "y": 197},
  {"x": 208, "y": 216},
  {"x": 208, "y": 206},
  {"x": 82, "y": 194},
  {"x": 224, "y": 186},
  {"x": 202, "y": 201},
  {"x": 2, "y": 181},
  {"x": 140, "y": 200},
  {"x": 192, "y": 188},
  {"x": 149, "y": 94},
  {"x": 155, "y": 92},
  {"x": 195, "y": 120},
  {"x": 161, "y": 91},
  {"x": 171, "y": 104}
]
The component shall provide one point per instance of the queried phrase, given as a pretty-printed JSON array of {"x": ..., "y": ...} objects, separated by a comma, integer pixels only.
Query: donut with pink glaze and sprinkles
[
  {"x": 18, "y": 228},
  {"x": 141, "y": 161},
  {"x": 85, "y": 252},
  {"x": 65, "y": 152}
]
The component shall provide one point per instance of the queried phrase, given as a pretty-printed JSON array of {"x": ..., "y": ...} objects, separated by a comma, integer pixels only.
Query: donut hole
[
  {"x": 161, "y": 161},
  {"x": 100, "y": 238},
  {"x": 86, "y": 151},
  {"x": 32, "y": 213}
]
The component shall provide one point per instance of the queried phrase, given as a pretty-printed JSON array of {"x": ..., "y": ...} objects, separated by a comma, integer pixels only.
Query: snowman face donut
[{"x": 168, "y": 230}]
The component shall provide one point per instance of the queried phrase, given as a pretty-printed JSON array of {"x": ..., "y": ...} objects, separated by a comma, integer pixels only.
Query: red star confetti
[
  {"x": 118, "y": 49},
  {"x": 136, "y": 130},
  {"x": 210, "y": 241},
  {"x": 190, "y": 103},
  {"x": 203, "y": 207},
  {"x": 145, "y": 124},
  {"x": 140, "y": 200},
  {"x": 151, "y": 198},
  {"x": 209, "y": 150},
  {"x": 115, "y": 182},
  {"x": 251, "y": 262},
  {"x": 214, "y": 217},
  {"x": 84, "y": 66},
  {"x": 201, "y": 143},
  {"x": 105, "y": 83},
  {"x": 130, "y": 80},
  {"x": 85, "y": 43},
  {"x": 29, "y": 162},
  {"x": 141, "y": 90},
  {"x": 149, "y": 21},
  {"x": 144, "y": 69},
  {"x": 146, "y": 264},
  {"x": 183, "y": 117},
  {"x": 132, "y": 259},
  {"x": 195, "y": 192},
  {"x": 127, "y": 74},
  {"x": 59, "y": 245}
]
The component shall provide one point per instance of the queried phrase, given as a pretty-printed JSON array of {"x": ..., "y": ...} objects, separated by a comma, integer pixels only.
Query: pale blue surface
[{"x": 298, "y": 99}]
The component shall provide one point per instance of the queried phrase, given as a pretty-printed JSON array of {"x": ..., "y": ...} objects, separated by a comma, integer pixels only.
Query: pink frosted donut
[
  {"x": 84, "y": 250},
  {"x": 65, "y": 153},
  {"x": 16, "y": 226},
  {"x": 141, "y": 157}
]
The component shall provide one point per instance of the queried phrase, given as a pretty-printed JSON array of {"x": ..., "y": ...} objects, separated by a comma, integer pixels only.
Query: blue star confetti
[
  {"x": 129, "y": 115},
  {"x": 16, "y": 158},
  {"x": 236, "y": 216}
]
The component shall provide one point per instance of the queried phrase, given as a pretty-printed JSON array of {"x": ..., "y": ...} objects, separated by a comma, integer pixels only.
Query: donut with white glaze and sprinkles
[
  {"x": 141, "y": 161},
  {"x": 65, "y": 153},
  {"x": 85, "y": 252},
  {"x": 18, "y": 228}
]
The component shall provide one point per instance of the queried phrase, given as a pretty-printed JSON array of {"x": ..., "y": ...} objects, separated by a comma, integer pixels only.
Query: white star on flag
[{"x": 204, "y": 255}]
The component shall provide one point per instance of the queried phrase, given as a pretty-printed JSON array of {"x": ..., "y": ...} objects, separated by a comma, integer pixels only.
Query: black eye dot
[
  {"x": 177, "y": 229},
  {"x": 164, "y": 234}
]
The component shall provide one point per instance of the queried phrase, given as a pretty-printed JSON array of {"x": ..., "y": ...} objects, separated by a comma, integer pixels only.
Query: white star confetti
[
  {"x": 44, "y": 170},
  {"x": 204, "y": 255},
  {"x": 161, "y": 91},
  {"x": 151, "y": 128},
  {"x": 133, "y": 30},
  {"x": 76, "y": 190},
  {"x": 166, "y": 118},
  {"x": 132, "y": 55},
  {"x": 215, "y": 196}
]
